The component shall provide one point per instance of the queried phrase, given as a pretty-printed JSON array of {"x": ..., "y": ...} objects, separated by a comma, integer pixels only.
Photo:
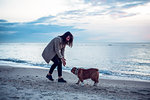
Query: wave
[
  {"x": 103, "y": 72},
  {"x": 144, "y": 64},
  {"x": 14, "y": 60},
  {"x": 31, "y": 63},
  {"x": 23, "y": 62},
  {"x": 120, "y": 74}
]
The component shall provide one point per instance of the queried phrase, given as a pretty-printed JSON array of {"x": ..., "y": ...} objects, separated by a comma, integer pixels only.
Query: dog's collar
[{"x": 76, "y": 71}]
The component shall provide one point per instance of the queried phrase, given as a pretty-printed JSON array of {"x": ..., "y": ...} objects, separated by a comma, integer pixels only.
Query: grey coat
[{"x": 54, "y": 47}]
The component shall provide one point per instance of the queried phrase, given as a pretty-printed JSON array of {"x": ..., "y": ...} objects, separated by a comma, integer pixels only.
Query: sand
[{"x": 18, "y": 83}]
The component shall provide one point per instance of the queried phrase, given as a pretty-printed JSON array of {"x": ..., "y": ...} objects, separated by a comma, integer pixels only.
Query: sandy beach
[{"x": 18, "y": 83}]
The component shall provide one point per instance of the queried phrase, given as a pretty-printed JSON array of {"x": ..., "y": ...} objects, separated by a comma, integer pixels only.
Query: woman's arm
[
  {"x": 59, "y": 52},
  {"x": 57, "y": 47},
  {"x": 63, "y": 51}
]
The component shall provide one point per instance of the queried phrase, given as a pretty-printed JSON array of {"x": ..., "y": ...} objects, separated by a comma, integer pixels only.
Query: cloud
[
  {"x": 120, "y": 14},
  {"x": 117, "y": 2},
  {"x": 116, "y": 7},
  {"x": 29, "y": 10},
  {"x": 31, "y": 32},
  {"x": 100, "y": 8},
  {"x": 95, "y": 20}
]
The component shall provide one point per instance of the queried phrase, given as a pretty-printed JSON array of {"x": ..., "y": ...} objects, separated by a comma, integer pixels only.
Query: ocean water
[{"x": 125, "y": 61}]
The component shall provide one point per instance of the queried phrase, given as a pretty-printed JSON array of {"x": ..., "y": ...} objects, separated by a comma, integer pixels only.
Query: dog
[{"x": 84, "y": 74}]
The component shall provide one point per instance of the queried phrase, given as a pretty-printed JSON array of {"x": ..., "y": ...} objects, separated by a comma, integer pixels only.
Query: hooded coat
[{"x": 55, "y": 47}]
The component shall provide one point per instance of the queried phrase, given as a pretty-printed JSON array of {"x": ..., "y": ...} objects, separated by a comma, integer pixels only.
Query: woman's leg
[
  {"x": 49, "y": 75},
  {"x": 58, "y": 63},
  {"x": 59, "y": 68},
  {"x": 55, "y": 60}
]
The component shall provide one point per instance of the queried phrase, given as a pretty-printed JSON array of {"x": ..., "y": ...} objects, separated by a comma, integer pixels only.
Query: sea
[{"x": 123, "y": 61}]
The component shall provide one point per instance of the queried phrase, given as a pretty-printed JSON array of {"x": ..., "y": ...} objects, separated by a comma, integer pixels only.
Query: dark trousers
[{"x": 58, "y": 63}]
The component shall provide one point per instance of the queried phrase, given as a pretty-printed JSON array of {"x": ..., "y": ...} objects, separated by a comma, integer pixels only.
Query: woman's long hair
[{"x": 70, "y": 42}]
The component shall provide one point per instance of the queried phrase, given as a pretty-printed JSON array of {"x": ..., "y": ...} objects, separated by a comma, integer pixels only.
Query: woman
[{"x": 54, "y": 51}]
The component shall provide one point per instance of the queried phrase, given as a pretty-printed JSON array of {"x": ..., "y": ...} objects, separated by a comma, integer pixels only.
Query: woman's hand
[{"x": 63, "y": 61}]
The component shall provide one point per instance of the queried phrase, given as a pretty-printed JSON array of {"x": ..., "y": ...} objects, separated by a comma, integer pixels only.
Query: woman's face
[{"x": 67, "y": 38}]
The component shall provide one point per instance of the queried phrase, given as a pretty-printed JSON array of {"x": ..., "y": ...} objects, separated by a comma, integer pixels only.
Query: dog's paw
[
  {"x": 95, "y": 84},
  {"x": 82, "y": 84}
]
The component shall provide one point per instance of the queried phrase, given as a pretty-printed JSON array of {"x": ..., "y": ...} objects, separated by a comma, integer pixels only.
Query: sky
[{"x": 87, "y": 20}]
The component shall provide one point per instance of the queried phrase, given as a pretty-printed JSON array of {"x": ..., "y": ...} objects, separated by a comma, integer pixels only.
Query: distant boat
[
  {"x": 109, "y": 44},
  {"x": 143, "y": 45}
]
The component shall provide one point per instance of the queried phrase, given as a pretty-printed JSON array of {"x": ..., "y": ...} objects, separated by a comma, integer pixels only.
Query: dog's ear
[{"x": 73, "y": 69}]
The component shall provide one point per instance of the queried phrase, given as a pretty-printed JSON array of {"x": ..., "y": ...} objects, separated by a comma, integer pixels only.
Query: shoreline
[
  {"x": 31, "y": 83},
  {"x": 107, "y": 77}
]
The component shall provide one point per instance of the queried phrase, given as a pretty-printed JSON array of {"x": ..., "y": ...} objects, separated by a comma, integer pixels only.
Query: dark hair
[{"x": 70, "y": 42}]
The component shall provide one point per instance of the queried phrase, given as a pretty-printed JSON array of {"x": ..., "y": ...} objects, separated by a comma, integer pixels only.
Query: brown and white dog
[{"x": 83, "y": 74}]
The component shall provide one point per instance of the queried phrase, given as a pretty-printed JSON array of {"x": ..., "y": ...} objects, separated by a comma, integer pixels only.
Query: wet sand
[{"x": 18, "y": 83}]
